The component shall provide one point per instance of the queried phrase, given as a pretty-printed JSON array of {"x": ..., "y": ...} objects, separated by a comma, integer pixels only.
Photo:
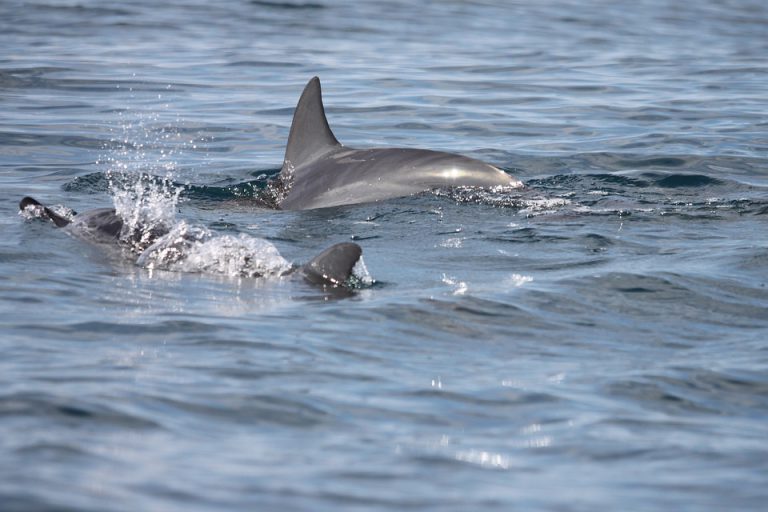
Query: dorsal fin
[
  {"x": 310, "y": 134},
  {"x": 334, "y": 265}
]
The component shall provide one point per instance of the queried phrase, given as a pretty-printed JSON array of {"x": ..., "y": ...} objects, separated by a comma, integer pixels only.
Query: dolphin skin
[
  {"x": 333, "y": 267},
  {"x": 318, "y": 171}
]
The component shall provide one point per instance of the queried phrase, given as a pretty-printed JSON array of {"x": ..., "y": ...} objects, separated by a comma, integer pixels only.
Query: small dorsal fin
[
  {"x": 334, "y": 265},
  {"x": 310, "y": 134}
]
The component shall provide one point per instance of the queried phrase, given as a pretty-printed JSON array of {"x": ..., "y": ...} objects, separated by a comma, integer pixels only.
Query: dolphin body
[
  {"x": 332, "y": 267},
  {"x": 318, "y": 171}
]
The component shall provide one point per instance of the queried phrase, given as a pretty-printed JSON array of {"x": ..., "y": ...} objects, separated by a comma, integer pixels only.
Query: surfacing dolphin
[
  {"x": 318, "y": 171},
  {"x": 333, "y": 267}
]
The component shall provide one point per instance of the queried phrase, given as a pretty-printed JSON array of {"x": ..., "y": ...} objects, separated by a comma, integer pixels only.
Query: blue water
[{"x": 598, "y": 341}]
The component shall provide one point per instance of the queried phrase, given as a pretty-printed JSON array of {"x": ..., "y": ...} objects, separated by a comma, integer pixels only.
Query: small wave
[
  {"x": 92, "y": 183},
  {"x": 653, "y": 162},
  {"x": 626, "y": 179},
  {"x": 287, "y": 5},
  {"x": 527, "y": 201},
  {"x": 686, "y": 180},
  {"x": 651, "y": 193},
  {"x": 693, "y": 390},
  {"x": 55, "y": 408},
  {"x": 249, "y": 409}
]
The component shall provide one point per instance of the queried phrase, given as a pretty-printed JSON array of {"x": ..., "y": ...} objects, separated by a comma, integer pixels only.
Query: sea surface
[{"x": 595, "y": 341}]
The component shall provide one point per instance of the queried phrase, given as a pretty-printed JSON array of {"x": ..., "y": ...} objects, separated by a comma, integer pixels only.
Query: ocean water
[{"x": 596, "y": 341}]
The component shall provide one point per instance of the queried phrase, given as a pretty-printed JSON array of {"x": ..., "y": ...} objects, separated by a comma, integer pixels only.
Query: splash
[
  {"x": 34, "y": 211},
  {"x": 142, "y": 179},
  {"x": 146, "y": 204},
  {"x": 360, "y": 277},
  {"x": 189, "y": 248},
  {"x": 141, "y": 170}
]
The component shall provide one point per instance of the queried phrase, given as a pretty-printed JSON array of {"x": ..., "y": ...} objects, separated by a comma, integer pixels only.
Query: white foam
[
  {"x": 196, "y": 249},
  {"x": 145, "y": 203},
  {"x": 141, "y": 176},
  {"x": 459, "y": 287},
  {"x": 542, "y": 206},
  {"x": 517, "y": 280},
  {"x": 361, "y": 277}
]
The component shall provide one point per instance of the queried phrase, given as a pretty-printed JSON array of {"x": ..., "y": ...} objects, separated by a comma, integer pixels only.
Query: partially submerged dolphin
[
  {"x": 318, "y": 171},
  {"x": 332, "y": 267}
]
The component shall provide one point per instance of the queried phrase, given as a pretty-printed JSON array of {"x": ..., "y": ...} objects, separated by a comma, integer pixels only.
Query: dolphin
[
  {"x": 318, "y": 171},
  {"x": 332, "y": 267}
]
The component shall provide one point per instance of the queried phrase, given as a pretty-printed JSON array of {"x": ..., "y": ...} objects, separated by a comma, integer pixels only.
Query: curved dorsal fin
[
  {"x": 310, "y": 134},
  {"x": 334, "y": 265}
]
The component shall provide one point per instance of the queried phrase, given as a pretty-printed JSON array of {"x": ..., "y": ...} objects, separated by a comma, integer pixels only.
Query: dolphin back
[
  {"x": 100, "y": 224},
  {"x": 334, "y": 265},
  {"x": 319, "y": 172}
]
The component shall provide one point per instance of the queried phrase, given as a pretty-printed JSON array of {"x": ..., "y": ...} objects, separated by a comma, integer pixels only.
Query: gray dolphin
[
  {"x": 318, "y": 171},
  {"x": 332, "y": 267}
]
